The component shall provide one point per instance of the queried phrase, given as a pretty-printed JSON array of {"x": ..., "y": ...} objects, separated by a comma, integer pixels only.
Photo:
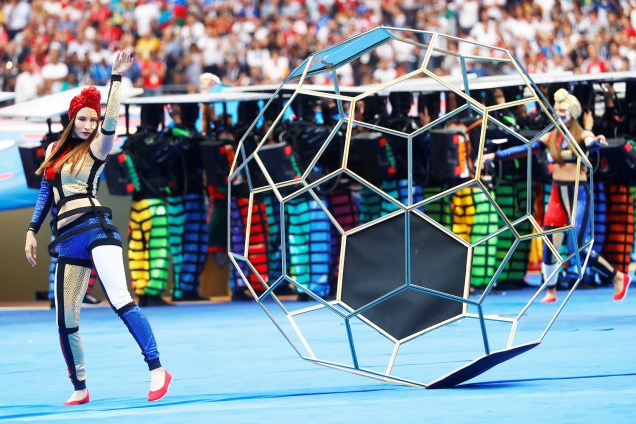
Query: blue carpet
[{"x": 231, "y": 365}]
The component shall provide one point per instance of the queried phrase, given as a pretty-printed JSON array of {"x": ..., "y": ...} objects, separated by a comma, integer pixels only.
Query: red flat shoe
[
  {"x": 158, "y": 394},
  {"x": 626, "y": 280},
  {"x": 78, "y": 402}
]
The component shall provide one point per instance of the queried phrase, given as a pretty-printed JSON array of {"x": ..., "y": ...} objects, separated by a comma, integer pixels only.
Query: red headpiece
[{"x": 89, "y": 97}]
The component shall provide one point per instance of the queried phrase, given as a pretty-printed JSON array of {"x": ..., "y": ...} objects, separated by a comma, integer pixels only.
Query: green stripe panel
[
  {"x": 484, "y": 255},
  {"x": 511, "y": 198}
]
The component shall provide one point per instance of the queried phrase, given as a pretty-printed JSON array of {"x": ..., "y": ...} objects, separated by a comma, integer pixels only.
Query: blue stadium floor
[{"x": 231, "y": 365}]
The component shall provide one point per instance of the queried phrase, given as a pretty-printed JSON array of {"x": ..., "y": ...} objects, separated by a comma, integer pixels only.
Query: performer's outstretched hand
[
  {"x": 123, "y": 61},
  {"x": 600, "y": 140},
  {"x": 31, "y": 247},
  {"x": 487, "y": 161}
]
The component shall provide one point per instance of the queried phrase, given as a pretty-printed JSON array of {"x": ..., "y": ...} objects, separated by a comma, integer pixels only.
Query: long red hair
[{"x": 74, "y": 155}]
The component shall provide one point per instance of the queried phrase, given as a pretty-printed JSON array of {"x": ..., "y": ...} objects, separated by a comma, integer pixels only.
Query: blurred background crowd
[
  {"x": 51, "y": 46},
  {"x": 48, "y": 46}
]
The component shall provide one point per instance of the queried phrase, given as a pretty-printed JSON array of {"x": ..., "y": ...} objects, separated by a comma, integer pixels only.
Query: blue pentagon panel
[{"x": 333, "y": 57}]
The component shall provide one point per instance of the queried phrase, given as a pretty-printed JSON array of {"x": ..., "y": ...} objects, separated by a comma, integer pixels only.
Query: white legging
[{"x": 109, "y": 263}]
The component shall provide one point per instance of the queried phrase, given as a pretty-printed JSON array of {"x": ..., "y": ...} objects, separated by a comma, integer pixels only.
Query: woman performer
[
  {"x": 85, "y": 235},
  {"x": 561, "y": 202}
]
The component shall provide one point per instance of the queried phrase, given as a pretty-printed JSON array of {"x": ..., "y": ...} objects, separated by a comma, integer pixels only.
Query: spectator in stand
[
  {"x": 192, "y": 66},
  {"x": 276, "y": 67},
  {"x": 146, "y": 44},
  {"x": 250, "y": 30},
  {"x": 616, "y": 61},
  {"x": 28, "y": 84},
  {"x": 98, "y": 52},
  {"x": 468, "y": 14},
  {"x": 100, "y": 72},
  {"x": 210, "y": 46},
  {"x": 69, "y": 83},
  {"x": 55, "y": 71},
  {"x": 485, "y": 30},
  {"x": 153, "y": 71},
  {"x": 17, "y": 14},
  {"x": 80, "y": 46},
  {"x": 385, "y": 72},
  {"x": 594, "y": 64},
  {"x": 191, "y": 31},
  {"x": 145, "y": 13},
  {"x": 235, "y": 73}
]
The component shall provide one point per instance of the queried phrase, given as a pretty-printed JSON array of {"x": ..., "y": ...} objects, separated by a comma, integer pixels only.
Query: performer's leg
[
  {"x": 71, "y": 280},
  {"x": 463, "y": 213},
  {"x": 195, "y": 246},
  {"x": 298, "y": 241},
  {"x": 108, "y": 260},
  {"x": 148, "y": 248},
  {"x": 176, "y": 228},
  {"x": 557, "y": 215},
  {"x": 88, "y": 298},
  {"x": 52, "y": 269},
  {"x": 257, "y": 244},
  {"x": 236, "y": 244},
  {"x": 619, "y": 240},
  {"x": 138, "y": 248},
  {"x": 550, "y": 268},
  {"x": 157, "y": 238},
  {"x": 619, "y": 280}
]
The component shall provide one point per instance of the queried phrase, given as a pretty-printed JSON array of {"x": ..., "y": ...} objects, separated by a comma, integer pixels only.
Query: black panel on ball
[
  {"x": 438, "y": 261},
  {"x": 375, "y": 263}
]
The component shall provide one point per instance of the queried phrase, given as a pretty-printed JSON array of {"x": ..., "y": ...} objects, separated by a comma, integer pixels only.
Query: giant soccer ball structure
[{"x": 402, "y": 309}]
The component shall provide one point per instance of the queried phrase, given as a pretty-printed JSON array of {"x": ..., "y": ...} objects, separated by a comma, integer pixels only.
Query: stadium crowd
[{"x": 47, "y": 46}]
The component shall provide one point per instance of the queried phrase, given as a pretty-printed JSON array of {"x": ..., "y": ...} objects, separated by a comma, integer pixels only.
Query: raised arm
[
  {"x": 206, "y": 82},
  {"x": 103, "y": 143}
]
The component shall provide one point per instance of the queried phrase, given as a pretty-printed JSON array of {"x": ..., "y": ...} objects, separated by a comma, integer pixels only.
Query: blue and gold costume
[{"x": 79, "y": 230}]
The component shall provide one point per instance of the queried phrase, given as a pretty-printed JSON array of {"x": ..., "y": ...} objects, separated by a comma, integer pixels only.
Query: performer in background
[
  {"x": 188, "y": 197},
  {"x": 561, "y": 202},
  {"x": 85, "y": 235},
  {"x": 147, "y": 152}
]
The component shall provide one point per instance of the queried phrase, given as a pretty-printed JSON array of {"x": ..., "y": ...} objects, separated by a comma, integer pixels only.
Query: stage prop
[
  {"x": 14, "y": 176},
  {"x": 404, "y": 278}
]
